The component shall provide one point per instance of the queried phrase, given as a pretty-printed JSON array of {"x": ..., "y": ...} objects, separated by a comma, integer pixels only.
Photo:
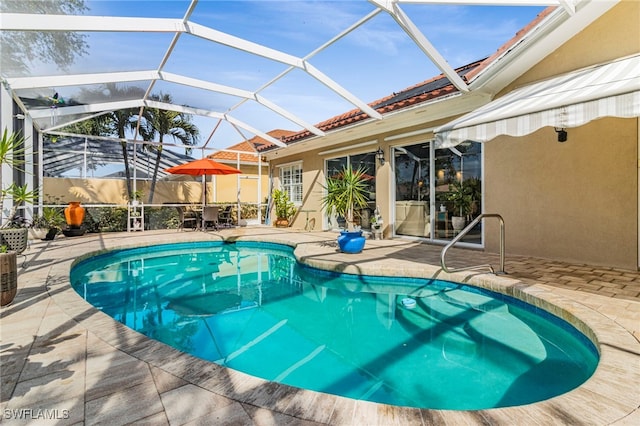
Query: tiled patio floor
[{"x": 62, "y": 358}]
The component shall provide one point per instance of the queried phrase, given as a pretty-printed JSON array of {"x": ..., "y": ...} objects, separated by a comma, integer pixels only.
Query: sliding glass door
[
  {"x": 437, "y": 191},
  {"x": 412, "y": 171}
]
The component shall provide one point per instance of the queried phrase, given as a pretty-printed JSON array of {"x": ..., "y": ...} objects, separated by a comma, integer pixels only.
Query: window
[
  {"x": 366, "y": 162},
  {"x": 291, "y": 181}
]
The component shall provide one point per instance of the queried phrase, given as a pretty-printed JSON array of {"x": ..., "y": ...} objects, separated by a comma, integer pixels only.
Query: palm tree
[
  {"x": 115, "y": 123},
  {"x": 96, "y": 126},
  {"x": 124, "y": 119},
  {"x": 161, "y": 122}
]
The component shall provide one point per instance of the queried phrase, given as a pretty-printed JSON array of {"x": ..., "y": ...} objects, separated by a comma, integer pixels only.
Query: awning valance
[{"x": 569, "y": 100}]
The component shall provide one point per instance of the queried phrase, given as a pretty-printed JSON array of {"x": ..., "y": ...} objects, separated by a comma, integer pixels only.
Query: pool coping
[{"x": 605, "y": 398}]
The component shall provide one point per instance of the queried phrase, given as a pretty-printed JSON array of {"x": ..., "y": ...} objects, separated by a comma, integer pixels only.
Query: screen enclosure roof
[{"x": 241, "y": 69}]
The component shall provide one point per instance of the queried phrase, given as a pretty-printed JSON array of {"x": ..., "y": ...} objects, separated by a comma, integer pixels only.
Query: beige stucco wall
[
  {"x": 183, "y": 189},
  {"x": 407, "y": 128},
  {"x": 576, "y": 200},
  {"x": 312, "y": 179},
  {"x": 573, "y": 201}
]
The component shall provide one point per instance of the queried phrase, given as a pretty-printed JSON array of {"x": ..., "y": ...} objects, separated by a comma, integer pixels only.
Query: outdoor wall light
[
  {"x": 562, "y": 135},
  {"x": 380, "y": 156}
]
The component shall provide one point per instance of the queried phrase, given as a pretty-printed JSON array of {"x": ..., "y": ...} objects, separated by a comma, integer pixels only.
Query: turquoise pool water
[{"x": 409, "y": 342}]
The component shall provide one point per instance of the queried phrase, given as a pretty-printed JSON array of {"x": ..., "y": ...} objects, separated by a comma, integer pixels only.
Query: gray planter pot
[{"x": 15, "y": 239}]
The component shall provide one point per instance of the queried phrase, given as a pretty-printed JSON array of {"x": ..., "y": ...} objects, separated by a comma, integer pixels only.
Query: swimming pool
[{"x": 251, "y": 307}]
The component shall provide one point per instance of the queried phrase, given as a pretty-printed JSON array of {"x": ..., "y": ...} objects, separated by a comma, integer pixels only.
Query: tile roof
[
  {"x": 430, "y": 89},
  {"x": 250, "y": 146},
  {"x": 433, "y": 88}
]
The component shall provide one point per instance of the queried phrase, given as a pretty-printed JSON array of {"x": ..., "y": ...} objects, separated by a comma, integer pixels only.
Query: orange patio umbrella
[{"x": 203, "y": 167}]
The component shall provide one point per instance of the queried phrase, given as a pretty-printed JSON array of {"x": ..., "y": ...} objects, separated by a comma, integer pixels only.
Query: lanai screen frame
[
  {"x": 178, "y": 28},
  {"x": 183, "y": 27}
]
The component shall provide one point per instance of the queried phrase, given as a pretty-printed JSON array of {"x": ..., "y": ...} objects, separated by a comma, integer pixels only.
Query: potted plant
[
  {"x": 376, "y": 223},
  {"x": 346, "y": 192},
  {"x": 14, "y": 234},
  {"x": 285, "y": 209},
  {"x": 54, "y": 220},
  {"x": 20, "y": 194},
  {"x": 460, "y": 196},
  {"x": 136, "y": 197},
  {"x": 8, "y": 275},
  {"x": 11, "y": 152},
  {"x": 37, "y": 228}
]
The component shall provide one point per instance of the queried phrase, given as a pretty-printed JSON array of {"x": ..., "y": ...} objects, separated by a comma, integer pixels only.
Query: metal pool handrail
[{"x": 463, "y": 233}]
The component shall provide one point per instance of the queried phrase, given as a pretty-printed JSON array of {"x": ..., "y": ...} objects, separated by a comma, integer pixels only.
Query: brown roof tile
[
  {"x": 430, "y": 89},
  {"x": 251, "y": 146},
  {"x": 433, "y": 88}
]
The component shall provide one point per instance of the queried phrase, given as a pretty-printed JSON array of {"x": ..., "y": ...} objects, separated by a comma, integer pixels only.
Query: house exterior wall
[
  {"x": 576, "y": 200},
  {"x": 313, "y": 178},
  {"x": 409, "y": 126}
]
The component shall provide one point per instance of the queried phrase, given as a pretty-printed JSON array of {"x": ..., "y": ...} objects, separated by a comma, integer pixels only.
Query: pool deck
[{"x": 61, "y": 358}]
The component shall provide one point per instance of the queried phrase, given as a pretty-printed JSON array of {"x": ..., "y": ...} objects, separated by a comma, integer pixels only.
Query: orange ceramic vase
[{"x": 74, "y": 214}]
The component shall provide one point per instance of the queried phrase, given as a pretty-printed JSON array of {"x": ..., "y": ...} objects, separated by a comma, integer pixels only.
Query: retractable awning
[{"x": 569, "y": 100}]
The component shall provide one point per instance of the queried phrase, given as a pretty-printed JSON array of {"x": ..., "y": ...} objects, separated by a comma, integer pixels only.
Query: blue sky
[{"x": 375, "y": 60}]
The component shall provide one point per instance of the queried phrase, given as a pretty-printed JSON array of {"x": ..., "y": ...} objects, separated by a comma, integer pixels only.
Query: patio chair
[
  {"x": 187, "y": 218},
  {"x": 210, "y": 217},
  {"x": 225, "y": 217}
]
